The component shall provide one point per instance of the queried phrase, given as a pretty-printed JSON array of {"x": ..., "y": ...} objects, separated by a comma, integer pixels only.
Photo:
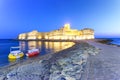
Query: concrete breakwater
[{"x": 68, "y": 64}]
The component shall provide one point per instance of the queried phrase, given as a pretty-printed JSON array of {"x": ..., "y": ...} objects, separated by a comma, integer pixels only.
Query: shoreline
[
  {"x": 107, "y": 41},
  {"x": 79, "y": 51},
  {"x": 79, "y": 62}
]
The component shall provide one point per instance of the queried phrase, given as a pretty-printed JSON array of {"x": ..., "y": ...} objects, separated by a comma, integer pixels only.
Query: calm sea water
[
  {"x": 45, "y": 48},
  {"x": 115, "y": 41}
]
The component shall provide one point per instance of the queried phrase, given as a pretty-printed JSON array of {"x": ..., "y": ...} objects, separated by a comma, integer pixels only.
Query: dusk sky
[{"x": 19, "y": 16}]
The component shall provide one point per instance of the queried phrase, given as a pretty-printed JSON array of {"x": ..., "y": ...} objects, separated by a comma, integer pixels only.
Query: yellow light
[
  {"x": 67, "y": 24},
  {"x": 63, "y": 33}
]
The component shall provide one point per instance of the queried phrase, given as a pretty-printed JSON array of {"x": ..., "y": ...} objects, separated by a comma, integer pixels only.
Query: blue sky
[{"x": 19, "y": 16}]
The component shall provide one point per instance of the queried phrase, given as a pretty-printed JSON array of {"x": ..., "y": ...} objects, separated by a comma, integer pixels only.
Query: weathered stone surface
[{"x": 104, "y": 66}]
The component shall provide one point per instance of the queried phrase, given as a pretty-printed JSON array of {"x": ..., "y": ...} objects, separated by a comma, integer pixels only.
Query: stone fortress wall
[{"x": 64, "y": 33}]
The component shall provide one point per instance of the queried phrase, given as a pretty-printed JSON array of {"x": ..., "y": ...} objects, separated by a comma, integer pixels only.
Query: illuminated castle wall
[{"x": 64, "y": 33}]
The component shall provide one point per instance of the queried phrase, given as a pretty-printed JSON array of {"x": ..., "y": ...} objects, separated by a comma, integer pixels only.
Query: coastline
[
  {"x": 79, "y": 62},
  {"x": 74, "y": 58},
  {"x": 107, "y": 41}
]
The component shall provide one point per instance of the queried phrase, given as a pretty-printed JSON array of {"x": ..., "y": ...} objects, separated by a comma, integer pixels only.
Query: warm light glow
[
  {"x": 32, "y": 37},
  {"x": 32, "y": 44},
  {"x": 54, "y": 46},
  {"x": 57, "y": 46},
  {"x": 39, "y": 37},
  {"x": 64, "y": 33},
  {"x": 67, "y": 25}
]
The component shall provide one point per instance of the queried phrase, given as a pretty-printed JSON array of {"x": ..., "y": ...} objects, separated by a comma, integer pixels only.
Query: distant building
[{"x": 64, "y": 33}]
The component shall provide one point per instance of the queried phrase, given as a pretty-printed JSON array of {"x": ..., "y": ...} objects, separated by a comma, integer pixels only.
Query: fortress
[{"x": 64, "y": 33}]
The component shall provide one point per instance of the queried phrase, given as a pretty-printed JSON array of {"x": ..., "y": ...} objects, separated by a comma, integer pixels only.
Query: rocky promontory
[{"x": 68, "y": 64}]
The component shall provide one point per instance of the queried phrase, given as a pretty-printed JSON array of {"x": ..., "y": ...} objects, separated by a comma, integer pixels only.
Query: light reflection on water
[{"x": 45, "y": 47}]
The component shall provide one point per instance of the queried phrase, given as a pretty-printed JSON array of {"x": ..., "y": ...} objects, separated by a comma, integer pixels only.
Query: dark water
[{"x": 44, "y": 47}]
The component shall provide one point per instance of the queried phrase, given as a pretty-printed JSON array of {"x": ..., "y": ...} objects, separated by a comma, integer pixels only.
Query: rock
[
  {"x": 77, "y": 76},
  {"x": 30, "y": 71},
  {"x": 67, "y": 65},
  {"x": 69, "y": 78},
  {"x": 64, "y": 61},
  {"x": 2, "y": 77},
  {"x": 77, "y": 59},
  {"x": 40, "y": 61}
]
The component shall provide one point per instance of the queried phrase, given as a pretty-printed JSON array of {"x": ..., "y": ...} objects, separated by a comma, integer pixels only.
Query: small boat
[
  {"x": 33, "y": 52},
  {"x": 15, "y": 53}
]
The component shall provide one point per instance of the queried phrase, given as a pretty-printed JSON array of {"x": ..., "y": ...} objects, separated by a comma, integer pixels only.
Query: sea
[
  {"x": 45, "y": 47},
  {"x": 115, "y": 41}
]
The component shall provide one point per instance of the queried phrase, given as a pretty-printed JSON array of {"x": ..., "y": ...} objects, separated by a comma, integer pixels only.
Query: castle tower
[{"x": 67, "y": 27}]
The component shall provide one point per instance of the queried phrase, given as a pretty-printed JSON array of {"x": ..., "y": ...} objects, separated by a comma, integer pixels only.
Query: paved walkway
[{"x": 105, "y": 65}]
